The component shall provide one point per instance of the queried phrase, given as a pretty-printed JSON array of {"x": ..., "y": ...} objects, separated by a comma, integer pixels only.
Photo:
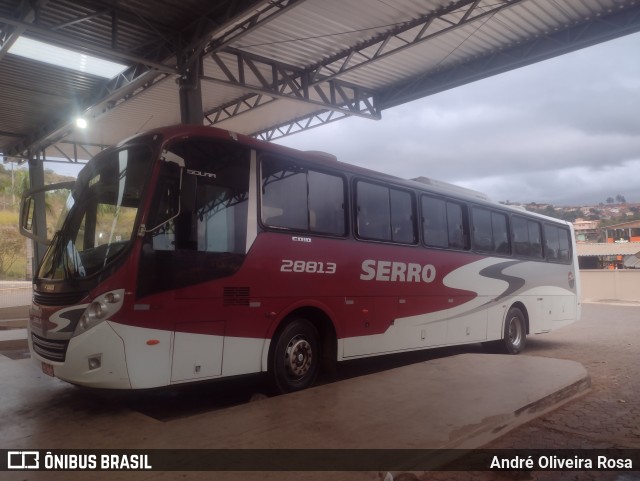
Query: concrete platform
[
  {"x": 15, "y": 338},
  {"x": 461, "y": 401}
]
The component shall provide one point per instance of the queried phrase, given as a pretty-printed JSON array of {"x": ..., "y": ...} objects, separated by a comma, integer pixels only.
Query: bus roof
[{"x": 328, "y": 160}]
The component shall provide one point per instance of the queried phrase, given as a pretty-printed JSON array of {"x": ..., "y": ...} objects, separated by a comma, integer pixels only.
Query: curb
[{"x": 13, "y": 335}]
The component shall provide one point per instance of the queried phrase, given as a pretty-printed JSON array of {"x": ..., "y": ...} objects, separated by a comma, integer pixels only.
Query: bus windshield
[{"x": 99, "y": 216}]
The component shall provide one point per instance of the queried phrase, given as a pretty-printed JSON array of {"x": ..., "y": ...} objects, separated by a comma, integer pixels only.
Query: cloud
[
  {"x": 562, "y": 131},
  {"x": 564, "y": 186}
]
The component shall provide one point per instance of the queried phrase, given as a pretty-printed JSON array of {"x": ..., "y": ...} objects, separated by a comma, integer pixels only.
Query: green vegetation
[{"x": 13, "y": 246}]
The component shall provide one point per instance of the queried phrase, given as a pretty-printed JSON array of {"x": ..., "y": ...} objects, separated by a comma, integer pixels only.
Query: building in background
[{"x": 625, "y": 232}]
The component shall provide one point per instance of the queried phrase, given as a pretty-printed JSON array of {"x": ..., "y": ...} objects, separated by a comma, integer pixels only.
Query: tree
[
  {"x": 610, "y": 200},
  {"x": 621, "y": 199},
  {"x": 12, "y": 248}
]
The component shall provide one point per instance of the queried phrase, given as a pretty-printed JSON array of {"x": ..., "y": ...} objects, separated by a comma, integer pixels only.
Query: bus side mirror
[
  {"x": 29, "y": 224},
  {"x": 27, "y": 210}
]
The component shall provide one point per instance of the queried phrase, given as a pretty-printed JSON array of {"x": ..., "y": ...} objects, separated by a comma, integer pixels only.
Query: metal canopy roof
[
  {"x": 609, "y": 249},
  {"x": 269, "y": 68}
]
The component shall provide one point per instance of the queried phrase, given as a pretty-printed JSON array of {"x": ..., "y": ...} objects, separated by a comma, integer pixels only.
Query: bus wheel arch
[
  {"x": 303, "y": 344},
  {"x": 516, "y": 328}
]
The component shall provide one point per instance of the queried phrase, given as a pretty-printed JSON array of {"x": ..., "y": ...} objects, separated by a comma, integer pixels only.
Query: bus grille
[
  {"x": 58, "y": 298},
  {"x": 52, "y": 349}
]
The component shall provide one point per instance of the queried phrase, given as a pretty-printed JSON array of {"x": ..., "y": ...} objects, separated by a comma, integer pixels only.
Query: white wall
[{"x": 620, "y": 285}]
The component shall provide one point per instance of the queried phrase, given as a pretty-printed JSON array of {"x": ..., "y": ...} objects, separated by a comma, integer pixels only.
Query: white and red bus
[{"x": 190, "y": 253}]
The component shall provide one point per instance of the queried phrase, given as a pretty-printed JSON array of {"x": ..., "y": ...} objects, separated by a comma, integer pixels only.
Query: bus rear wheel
[
  {"x": 295, "y": 359},
  {"x": 515, "y": 332}
]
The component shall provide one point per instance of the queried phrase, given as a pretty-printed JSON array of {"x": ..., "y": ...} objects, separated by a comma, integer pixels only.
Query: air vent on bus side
[{"x": 236, "y": 296}]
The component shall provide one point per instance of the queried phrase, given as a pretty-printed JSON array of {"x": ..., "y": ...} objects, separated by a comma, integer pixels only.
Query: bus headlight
[
  {"x": 96, "y": 310},
  {"x": 102, "y": 307}
]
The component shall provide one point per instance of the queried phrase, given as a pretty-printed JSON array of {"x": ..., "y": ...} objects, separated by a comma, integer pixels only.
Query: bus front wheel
[
  {"x": 295, "y": 359},
  {"x": 515, "y": 332}
]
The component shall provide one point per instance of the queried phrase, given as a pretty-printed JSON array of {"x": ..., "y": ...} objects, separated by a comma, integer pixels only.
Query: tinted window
[
  {"x": 490, "y": 231},
  {"x": 434, "y": 222},
  {"x": 444, "y": 223},
  {"x": 527, "y": 240},
  {"x": 402, "y": 228},
  {"x": 500, "y": 233},
  {"x": 374, "y": 213},
  {"x": 294, "y": 197},
  {"x": 216, "y": 180},
  {"x": 384, "y": 213},
  {"x": 457, "y": 226},
  {"x": 482, "y": 230},
  {"x": 557, "y": 243},
  {"x": 326, "y": 203}
]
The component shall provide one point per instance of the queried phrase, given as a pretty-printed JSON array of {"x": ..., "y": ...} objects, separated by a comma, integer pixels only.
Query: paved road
[{"x": 607, "y": 343}]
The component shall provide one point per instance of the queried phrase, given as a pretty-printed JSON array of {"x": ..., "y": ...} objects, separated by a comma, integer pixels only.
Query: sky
[{"x": 565, "y": 131}]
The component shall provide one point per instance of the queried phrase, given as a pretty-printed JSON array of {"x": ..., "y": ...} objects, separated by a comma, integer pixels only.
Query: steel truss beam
[
  {"x": 323, "y": 74},
  {"x": 239, "y": 26},
  {"x": 596, "y": 30},
  {"x": 259, "y": 15},
  {"x": 260, "y": 76},
  {"x": 64, "y": 152},
  {"x": 306, "y": 122},
  {"x": 593, "y": 31},
  {"x": 409, "y": 34}
]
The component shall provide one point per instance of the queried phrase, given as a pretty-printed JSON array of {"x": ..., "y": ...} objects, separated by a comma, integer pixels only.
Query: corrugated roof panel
[
  {"x": 628, "y": 248},
  {"x": 138, "y": 22},
  {"x": 487, "y": 34},
  {"x": 31, "y": 93},
  {"x": 304, "y": 35},
  {"x": 215, "y": 95},
  {"x": 157, "y": 106},
  {"x": 8, "y": 7},
  {"x": 275, "y": 113},
  {"x": 97, "y": 29},
  {"x": 315, "y": 30}
]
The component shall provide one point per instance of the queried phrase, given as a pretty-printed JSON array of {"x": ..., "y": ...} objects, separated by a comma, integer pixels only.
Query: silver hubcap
[
  {"x": 515, "y": 331},
  {"x": 298, "y": 357}
]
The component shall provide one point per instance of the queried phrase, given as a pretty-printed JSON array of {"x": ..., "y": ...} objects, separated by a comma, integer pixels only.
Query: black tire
[
  {"x": 515, "y": 332},
  {"x": 295, "y": 357}
]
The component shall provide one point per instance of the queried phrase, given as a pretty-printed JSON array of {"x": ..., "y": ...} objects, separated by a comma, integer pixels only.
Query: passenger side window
[
  {"x": 444, "y": 223},
  {"x": 527, "y": 239},
  {"x": 482, "y": 230},
  {"x": 384, "y": 213},
  {"x": 490, "y": 231},
  {"x": 557, "y": 243},
  {"x": 295, "y": 197}
]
